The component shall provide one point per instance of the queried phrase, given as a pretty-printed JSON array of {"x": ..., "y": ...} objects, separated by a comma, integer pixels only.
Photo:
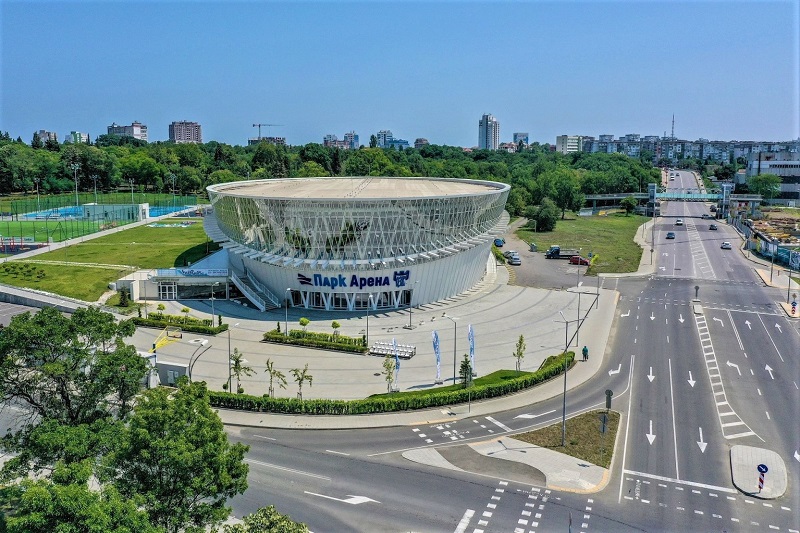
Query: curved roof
[{"x": 362, "y": 187}]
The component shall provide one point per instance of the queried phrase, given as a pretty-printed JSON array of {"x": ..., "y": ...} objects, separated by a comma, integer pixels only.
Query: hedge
[
  {"x": 388, "y": 404},
  {"x": 190, "y": 327},
  {"x": 317, "y": 340}
]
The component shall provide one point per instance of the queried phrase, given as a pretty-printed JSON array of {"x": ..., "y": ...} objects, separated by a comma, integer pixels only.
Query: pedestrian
[{"x": 585, "y": 353}]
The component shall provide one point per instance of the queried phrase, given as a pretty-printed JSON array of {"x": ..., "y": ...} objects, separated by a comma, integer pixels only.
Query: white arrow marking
[
  {"x": 720, "y": 321},
  {"x": 650, "y": 376},
  {"x": 626, "y": 314},
  {"x": 680, "y": 319},
  {"x": 747, "y": 322},
  {"x": 691, "y": 381},
  {"x": 779, "y": 327},
  {"x": 652, "y": 316},
  {"x": 797, "y": 455},
  {"x": 534, "y": 416},
  {"x": 734, "y": 365},
  {"x": 701, "y": 443},
  {"x": 352, "y": 500},
  {"x": 650, "y": 436},
  {"x": 662, "y": 268},
  {"x": 665, "y": 254},
  {"x": 769, "y": 369},
  {"x": 612, "y": 372}
]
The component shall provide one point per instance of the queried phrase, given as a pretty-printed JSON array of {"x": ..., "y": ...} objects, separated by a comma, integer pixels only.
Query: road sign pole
[{"x": 762, "y": 469}]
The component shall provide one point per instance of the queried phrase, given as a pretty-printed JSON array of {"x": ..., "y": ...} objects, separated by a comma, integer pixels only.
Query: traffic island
[{"x": 758, "y": 472}]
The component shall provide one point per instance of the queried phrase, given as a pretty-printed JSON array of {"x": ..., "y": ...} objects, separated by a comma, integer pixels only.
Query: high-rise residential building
[
  {"x": 566, "y": 144},
  {"x": 420, "y": 142},
  {"x": 384, "y": 138},
  {"x": 185, "y": 132},
  {"x": 332, "y": 141},
  {"x": 351, "y": 140},
  {"x": 77, "y": 137},
  {"x": 488, "y": 133},
  {"x": 45, "y": 135},
  {"x": 521, "y": 136},
  {"x": 137, "y": 130}
]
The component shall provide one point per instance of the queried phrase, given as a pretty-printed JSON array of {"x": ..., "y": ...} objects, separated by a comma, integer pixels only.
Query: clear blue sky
[{"x": 727, "y": 70}]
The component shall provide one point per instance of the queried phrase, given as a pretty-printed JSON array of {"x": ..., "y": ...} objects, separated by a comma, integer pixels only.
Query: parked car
[
  {"x": 726, "y": 245},
  {"x": 705, "y": 216},
  {"x": 670, "y": 235},
  {"x": 499, "y": 242},
  {"x": 712, "y": 227},
  {"x": 514, "y": 260},
  {"x": 679, "y": 222},
  {"x": 507, "y": 254},
  {"x": 578, "y": 260}
]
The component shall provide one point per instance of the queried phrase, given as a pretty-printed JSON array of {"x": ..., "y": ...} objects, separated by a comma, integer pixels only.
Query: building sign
[{"x": 399, "y": 279}]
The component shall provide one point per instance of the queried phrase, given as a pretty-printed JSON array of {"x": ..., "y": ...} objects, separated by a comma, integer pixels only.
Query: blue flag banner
[
  {"x": 396, "y": 361},
  {"x": 471, "y": 338},
  {"x": 438, "y": 355}
]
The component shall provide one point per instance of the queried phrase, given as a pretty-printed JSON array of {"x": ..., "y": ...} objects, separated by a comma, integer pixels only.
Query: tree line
[{"x": 113, "y": 162}]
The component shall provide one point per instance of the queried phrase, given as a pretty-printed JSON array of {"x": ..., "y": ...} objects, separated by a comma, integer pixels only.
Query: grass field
[
  {"x": 610, "y": 237},
  {"x": 495, "y": 377},
  {"x": 142, "y": 247},
  {"x": 57, "y": 230},
  {"x": 584, "y": 439}
]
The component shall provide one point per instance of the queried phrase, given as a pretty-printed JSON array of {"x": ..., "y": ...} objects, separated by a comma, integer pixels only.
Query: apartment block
[
  {"x": 137, "y": 130},
  {"x": 185, "y": 132}
]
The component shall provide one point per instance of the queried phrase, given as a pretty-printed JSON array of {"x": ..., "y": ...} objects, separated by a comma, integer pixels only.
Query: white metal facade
[{"x": 336, "y": 252}]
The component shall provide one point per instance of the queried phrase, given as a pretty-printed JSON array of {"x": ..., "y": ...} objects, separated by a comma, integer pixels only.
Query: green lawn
[
  {"x": 143, "y": 247},
  {"x": 610, "y": 237},
  {"x": 40, "y": 230},
  {"x": 584, "y": 439}
]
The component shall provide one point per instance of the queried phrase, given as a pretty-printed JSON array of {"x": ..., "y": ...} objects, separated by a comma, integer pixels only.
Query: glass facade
[{"x": 355, "y": 233}]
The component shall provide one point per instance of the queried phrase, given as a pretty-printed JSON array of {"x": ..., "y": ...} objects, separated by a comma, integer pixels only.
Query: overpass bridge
[{"x": 655, "y": 194}]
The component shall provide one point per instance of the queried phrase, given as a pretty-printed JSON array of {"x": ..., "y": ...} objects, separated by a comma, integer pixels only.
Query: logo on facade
[{"x": 400, "y": 277}]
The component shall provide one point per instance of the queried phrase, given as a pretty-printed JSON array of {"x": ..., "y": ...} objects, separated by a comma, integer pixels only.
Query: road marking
[
  {"x": 263, "y": 437},
  {"x": 769, "y": 369},
  {"x": 462, "y": 525},
  {"x": 770, "y": 338},
  {"x": 535, "y": 416},
  {"x": 680, "y": 482},
  {"x": 691, "y": 381},
  {"x": 702, "y": 444},
  {"x": 650, "y": 436},
  {"x": 627, "y": 424},
  {"x": 498, "y": 424},
  {"x": 285, "y": 469},
  {"x": 650, "y": 376},
  {"x": 617, "y": 371},
  {"x": 674, "y": 431},
  {"x": 736, "y": 332},
  {"x": 351, "y": 499},
  {"x": 338, "y": 453}
]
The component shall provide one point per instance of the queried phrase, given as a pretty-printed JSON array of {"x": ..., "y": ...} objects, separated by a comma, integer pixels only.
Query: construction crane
[{"x": 259, "y": 128}]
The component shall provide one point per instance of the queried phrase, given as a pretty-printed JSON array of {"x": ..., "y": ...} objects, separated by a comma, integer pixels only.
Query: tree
[
  {"x": 629, "y": 204},
  {"x": 465, "y": 371},
  {"x": 767, "y": 185},
  {"x": 66, "y": 503},
  {"x": 301, "y": 376},
  {"x": 36, "y": 142},
  {"x": 310, "y": 169},
  {"x": 275, "y": 374},
  {"x": 335, "y": 325},
  {"x": 267, "y": 520},
  {"x": 123, "y": 297},
  {"x": 185, "y": 311},
  {"x": 304, "y": 322},
  {"x": 564, "y": 190},
  {"x": 388, "y": 371},
  {"x": 175, "y": 457},
  {"x": 75, "y": 376},
  {"x": 373, "y": 141},
  {"x": 545, "y": 215},
  {"x": 239, "y": 367},
  {"x": 519, "y": 351}
]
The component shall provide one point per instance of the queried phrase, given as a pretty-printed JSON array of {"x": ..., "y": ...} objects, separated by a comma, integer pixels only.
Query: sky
[{"x": 726, "y": 70}]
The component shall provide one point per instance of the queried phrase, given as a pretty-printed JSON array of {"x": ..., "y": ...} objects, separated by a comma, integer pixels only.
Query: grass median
[
  {"x": 609, "y": 237},
  {"x": 584, "y": 441}
]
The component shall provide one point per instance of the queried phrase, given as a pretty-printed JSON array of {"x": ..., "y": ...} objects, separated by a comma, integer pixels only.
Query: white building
[
  {"x": 488, "y": 133},
  {"x": 77, "y": 137},
  {"x": 137, "y": 130},
  {"x": 567, "y": 144},
  {"x": 356, "y": 242}
]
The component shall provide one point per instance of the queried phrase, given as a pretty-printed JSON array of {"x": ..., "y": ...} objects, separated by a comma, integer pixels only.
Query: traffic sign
[{"x": 762, "y": 469}]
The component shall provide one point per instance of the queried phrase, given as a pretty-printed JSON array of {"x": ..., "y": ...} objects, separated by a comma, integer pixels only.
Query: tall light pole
[
  {"x": 564, "y": 409},
  {"x": 455, "y": 343},
  {"x": 94, "y": 179},
  {"x": 130, "y": 180},
  {"x": 173, "y": 190},
  {"x": 288, "y": 293},
  {"x": 38, "y": 206},
  {"x": 213, "y": 315},
  {"x": 773, "y": 251},
  {"x": 192, "y": 359},
  {"x": 369, "y": 305},
  {"x": 75, "y": 167},
  {"x": 229, "y": 355}
]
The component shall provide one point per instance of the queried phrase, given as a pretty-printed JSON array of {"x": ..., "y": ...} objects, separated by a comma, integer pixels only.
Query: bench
[{"x": 382, "y": 349}]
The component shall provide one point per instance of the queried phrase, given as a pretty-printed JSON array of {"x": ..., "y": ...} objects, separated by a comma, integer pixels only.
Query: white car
[
  {"x": 679, "y": 222},
  {"x": 508, "y": 254},
  {"x": 726, "y": 245}
]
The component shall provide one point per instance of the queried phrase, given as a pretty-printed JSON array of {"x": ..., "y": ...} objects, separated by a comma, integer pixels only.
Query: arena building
[{"x": 353, "y": 242}]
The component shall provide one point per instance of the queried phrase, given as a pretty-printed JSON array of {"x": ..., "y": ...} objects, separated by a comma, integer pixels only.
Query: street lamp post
[
  {"x": 173, "y": 190},
  {"x": 564, "y": 408},
  {"x": 193, "y": 359},
  {"x": 130, "y": 180},
  {"x": 773, "y": 251},
  {"x": 229, "y": 355},
  {"x": 213, "y": 315},
  {"x": 94, "y": 179},
  {"x": 75, "y": 167},
  {"x": 455, "y": 343},
  {"x": 38, "y": 206},
  {"x": 369, "y": 305},
  {"x": 286, "y": 317}
]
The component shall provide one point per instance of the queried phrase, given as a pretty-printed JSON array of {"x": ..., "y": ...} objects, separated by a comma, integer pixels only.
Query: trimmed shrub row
[
  {"x": 317, "y": 340},
  {"x": 189, "y": 326},
  {"x": 388, "y": 404}
]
